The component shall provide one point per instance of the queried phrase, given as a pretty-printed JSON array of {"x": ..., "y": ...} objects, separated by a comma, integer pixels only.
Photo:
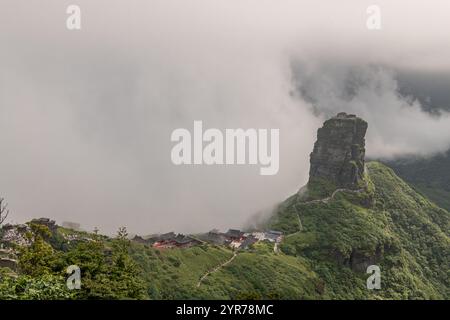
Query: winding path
[
  {"x": 216, "y": 269},
  {"x": 326, "y": 200},
  {"x": 275, "y": 248}
]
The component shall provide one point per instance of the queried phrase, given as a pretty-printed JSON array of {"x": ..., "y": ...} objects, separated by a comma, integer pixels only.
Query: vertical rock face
[{"x": 338, "y": 155}]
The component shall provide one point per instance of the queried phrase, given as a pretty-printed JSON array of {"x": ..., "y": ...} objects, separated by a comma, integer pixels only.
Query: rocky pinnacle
[{"x": 338, "y": 155}]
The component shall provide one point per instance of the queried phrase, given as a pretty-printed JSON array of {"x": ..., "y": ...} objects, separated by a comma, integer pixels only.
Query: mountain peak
[{"x": 338, "y": 154}]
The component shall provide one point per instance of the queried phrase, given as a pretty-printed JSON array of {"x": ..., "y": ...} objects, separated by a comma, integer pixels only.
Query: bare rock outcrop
[{"x": 338, "y": 154}]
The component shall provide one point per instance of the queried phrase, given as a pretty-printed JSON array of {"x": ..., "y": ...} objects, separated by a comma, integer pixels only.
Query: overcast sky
[{"x": 86, "y": 116}]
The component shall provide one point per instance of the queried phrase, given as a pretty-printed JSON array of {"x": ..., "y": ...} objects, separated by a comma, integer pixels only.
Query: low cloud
[
  {"x": 86, "y": 116},
  {"x": 398, "y": 124}
]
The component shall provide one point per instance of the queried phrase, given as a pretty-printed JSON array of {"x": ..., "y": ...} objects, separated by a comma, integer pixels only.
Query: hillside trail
[
  {"x": 216, "y": 269},
  {"x": 275, "y": 248},
  {"x": 326, "y": 200}
]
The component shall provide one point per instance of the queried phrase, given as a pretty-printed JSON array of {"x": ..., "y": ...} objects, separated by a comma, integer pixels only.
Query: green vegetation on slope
[
  {"x": 255, "y": 274},
  {"x": 429, "y": 176},
  {"x": 328, "y": 245},
  {"x": 326, "y": 251},
  {"x": 107, "y": 270},
  {"x": 262, "y": 274},
  {"x": 391, "y": 226}
]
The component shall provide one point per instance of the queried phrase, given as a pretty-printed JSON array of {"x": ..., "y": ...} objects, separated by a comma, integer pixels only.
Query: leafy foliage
[
  {"x": 107, "y": 270},
  {"x": 40, "y": 258},
  {"x": 429, "y": 176},
  {"x": 24, "y": 287}
]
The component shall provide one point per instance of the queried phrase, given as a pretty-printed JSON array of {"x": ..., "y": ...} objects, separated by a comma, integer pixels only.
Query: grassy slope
[
  {"x": 174, "y": 273},
  {"x": 260, "y": 273},
  {"x": 264, "y": 274},
  {"x": 429, "y": 176},
  {"x": 389, "y": 225},
  {"x": 435, "y": 193}
]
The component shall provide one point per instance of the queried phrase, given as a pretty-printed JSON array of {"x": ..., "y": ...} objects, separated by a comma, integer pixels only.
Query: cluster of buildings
[
  {"x": 233, "y": 238},
  {"x": 237, "y": 239},
  {"x": 168, "y": 240}
]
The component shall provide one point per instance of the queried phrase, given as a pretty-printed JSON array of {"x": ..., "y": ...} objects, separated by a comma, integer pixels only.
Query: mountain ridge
[{"x": 332, "y": 234}]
